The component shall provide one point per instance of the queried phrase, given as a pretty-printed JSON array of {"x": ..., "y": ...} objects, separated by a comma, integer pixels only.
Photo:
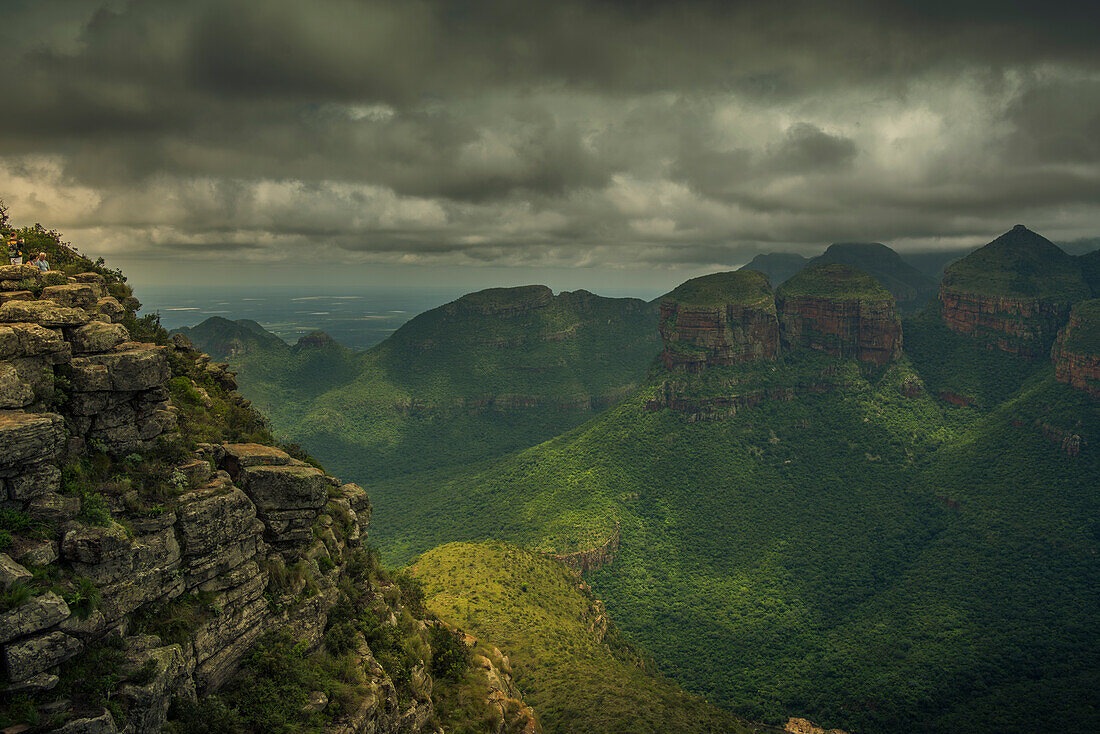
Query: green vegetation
[
  {"x": 175, "y": 620},
  {"x": 911, "y": 288},
  {"x": 833, "y": 280},
  {"x": 1090, "y": 269},
  {"x": 744, "y": 287},
  {"x": 866, "y": 559},
  {"x": 576, "y": 674},
  {"x": 778, "y": 266},
  {"x": 454, "y": 385},
  {"x": 1019, "y": 263}
]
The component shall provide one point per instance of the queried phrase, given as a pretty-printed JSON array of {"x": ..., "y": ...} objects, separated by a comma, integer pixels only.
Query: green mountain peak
[{"x": 1019, "y": 263}]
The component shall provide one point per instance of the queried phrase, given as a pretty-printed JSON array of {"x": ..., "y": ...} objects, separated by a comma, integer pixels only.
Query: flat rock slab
[
  {"x": 286, "y": 487},
  {"x": 34, "y": 615},
  {"x": 73, "y": 295},
  {"x": 241, "y": 455},
  {"x": 29, "y": 436},
  {"x": 16, "y": 296},
  {"x": 34, "y": 480},
  {"x": 97, "y": 336},
  {"x": 11, "y": 572},
  {"x": 46, "y": 313},
  {"x": 35, "y": 655},
  {"x": 130, "y": 367},
  {"x": 210, "y": 520},
  {"x": 19, "y": 272},
  {"x": 32, "y": 340}
]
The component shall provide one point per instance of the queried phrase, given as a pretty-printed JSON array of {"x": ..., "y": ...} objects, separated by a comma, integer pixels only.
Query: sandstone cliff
[
  {"x": 836, "y": 309},
  {"x": 1076, "y": 351},
  {"x": 151, "y": 538},
  {"x": 1013, "y": 294},
  {"x": 719, "y": 319}
]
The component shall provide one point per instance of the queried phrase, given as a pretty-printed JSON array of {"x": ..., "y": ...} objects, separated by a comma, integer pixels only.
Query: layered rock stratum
[
  {"x": 719, "y": 319},
  {"x": 841, "y": 311},
  {"x": 1076, "y": 351}
]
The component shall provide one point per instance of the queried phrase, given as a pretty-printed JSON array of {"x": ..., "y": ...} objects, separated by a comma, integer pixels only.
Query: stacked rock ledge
[
  {"x": 74, "y": 386},
  {"x": 719, "y": 319}
]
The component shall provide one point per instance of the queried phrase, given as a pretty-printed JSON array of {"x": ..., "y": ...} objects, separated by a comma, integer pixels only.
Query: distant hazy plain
[{"x": 357, "y": 318}]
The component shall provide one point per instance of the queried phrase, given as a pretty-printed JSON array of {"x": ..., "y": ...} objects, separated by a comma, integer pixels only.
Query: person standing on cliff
[
  {"x": 15, "y": 250},
  {"x": 40, "y": 262}
]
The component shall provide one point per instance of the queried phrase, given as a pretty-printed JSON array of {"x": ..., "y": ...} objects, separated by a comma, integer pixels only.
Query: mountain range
[{"x": 800, "y": 500}]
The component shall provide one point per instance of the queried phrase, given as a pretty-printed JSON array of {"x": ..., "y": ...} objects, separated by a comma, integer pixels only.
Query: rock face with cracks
[{"x": 241, "y": 541}]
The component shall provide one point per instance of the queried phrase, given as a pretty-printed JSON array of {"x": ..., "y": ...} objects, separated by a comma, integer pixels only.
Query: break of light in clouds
[{"x": 605, "y": 136}]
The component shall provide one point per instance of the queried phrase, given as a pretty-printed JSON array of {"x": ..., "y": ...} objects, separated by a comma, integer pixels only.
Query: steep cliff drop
[
  {"x": 158, "y": 550},
  {"x": 841, "y": 311},
  {"x": 719, "y": 319},
  {"x": 1014, "y": 293},
  {"x": 1076, "y": 351}
]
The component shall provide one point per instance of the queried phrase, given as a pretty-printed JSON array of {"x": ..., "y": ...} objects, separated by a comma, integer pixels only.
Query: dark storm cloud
[{"x": 502, "y": 131}]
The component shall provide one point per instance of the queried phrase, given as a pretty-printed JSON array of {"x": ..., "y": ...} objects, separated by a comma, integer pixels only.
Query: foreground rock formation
[{"x": 133, "y": 541}]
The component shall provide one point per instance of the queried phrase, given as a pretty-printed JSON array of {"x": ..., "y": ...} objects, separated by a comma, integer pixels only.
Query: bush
[
  {"x": 450, "y": 656},
  {"x": 208, "y": 715}
]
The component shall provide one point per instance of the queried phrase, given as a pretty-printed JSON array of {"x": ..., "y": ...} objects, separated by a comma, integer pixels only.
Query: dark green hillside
[
  {"x": 1090, "y": 268},
  {"x": 872, "y": 557},
  {"x": 1019, "y": 263},
  {"x": 719, "y": 289},
  {"x": 489, "y": 373},
  {"x": 778, "y": 266},
  {"x": 833, "y": 280},
  {"x": 933, "y": 263},
  {"x": 912, "y": 289},
  {"x": 224, "y": 339}
]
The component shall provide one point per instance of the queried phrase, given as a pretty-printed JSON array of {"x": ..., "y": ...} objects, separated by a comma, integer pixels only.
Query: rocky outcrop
[
  {"x": 591, "y": 558},
  {"x": 719, "y": 319},
  {"x": 1014, "y": 294},
  {"x": 1076, "y": 351},
  {"x": 836, "y": 309},
  {"x": 504, "y": 301},
  {"x": 240, "y": 540},
  {"x": 315, "y": 340},
  {"x": 796, "y": 725}
]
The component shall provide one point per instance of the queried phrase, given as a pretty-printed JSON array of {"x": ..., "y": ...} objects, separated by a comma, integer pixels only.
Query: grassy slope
[
  {"x": 795, "y": 560},
  {"x": 743, "y": 287},
  {"x": 544, "y": 618},
  {"x": 397, "y": 408}
]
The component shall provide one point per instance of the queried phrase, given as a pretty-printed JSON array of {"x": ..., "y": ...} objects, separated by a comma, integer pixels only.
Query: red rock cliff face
[
  {"x": 696, "y": 336},
  {"x": 867, "y": 330},
  {"x": 1075, "y": 367},
  {"x": 1017, "y": 325}
]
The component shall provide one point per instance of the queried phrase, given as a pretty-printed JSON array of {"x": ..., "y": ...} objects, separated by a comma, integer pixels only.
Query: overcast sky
[{"x": 488, "y": 142}]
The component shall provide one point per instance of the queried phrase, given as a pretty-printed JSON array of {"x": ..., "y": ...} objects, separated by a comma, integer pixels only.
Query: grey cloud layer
[{"x": 570, "y": 133}]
